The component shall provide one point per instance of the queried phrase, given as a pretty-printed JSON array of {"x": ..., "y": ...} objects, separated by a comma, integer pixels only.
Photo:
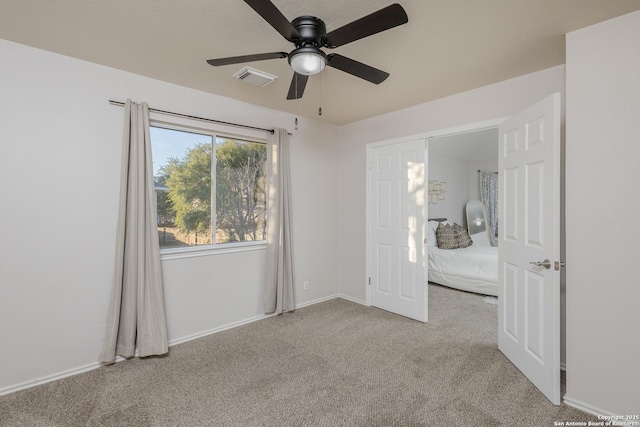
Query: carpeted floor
[{"x": 331, "y": 364}]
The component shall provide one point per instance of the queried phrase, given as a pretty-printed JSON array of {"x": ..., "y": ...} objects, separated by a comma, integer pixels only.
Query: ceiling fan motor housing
[{"x": 312, "y": 31}]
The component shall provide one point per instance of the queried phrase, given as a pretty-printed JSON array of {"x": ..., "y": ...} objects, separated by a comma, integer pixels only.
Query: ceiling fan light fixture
[{"x": 307, "y": 60}]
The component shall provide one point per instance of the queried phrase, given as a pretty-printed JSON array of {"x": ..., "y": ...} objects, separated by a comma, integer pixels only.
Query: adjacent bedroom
[{"x": 463, "y": 212}]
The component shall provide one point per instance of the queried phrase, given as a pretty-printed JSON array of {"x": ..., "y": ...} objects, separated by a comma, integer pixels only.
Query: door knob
[{"x": 546, "y": 264}]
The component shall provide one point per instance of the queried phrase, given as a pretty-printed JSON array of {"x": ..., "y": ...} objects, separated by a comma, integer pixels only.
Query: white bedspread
[{"x": 474, "y": 268}]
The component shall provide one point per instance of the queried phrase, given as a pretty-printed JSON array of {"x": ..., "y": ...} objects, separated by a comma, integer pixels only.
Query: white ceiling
[{"x": 447, "y": 47}]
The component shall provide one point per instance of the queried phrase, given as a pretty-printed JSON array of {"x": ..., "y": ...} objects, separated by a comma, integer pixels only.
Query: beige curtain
[
  {"x": 136, "y": 316},
  {"x": 279, "y": 296}
]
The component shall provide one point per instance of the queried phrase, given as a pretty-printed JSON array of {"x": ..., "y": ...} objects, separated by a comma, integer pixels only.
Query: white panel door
[
  {"x": 529, "y": 244},
  {"x": 397, "y": 279}
]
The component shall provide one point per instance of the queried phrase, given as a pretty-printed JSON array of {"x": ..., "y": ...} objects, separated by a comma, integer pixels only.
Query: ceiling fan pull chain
[
  {"x": 295, "y": 79},
  {"x": 320, "y": 108}
]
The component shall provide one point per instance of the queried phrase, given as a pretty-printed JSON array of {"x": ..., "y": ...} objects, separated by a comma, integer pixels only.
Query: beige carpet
[{"x": 331, "y": 364}]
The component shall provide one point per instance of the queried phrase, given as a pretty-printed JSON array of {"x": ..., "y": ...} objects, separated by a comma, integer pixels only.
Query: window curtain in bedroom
[
  {"x": 136, "y": 314},
  {"x": 489, "y": 196},
  {"x": 279, "y": 284}
]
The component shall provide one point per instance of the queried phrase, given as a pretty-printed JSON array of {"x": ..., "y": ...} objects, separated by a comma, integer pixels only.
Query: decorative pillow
[
  {"x": 445, "y": 237},
  {"x": 464, "y": 240},
  {"x": 452, "y": 237}
]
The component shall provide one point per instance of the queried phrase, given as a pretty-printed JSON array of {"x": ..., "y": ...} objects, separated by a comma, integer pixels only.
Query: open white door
[
  {"x": 529, "y": 244},
  {"x": 396, "y": 232}
]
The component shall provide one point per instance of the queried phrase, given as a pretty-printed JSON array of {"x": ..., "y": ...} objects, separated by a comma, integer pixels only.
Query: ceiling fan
[{"x": 309, "y": 34}]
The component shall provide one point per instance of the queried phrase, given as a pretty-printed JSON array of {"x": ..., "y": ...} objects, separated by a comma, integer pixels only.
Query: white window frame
[{"x": 215, "y": 130}]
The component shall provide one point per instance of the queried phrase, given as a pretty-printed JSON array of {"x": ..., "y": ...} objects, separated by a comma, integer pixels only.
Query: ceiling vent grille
[{"x": 255, "y": 77}]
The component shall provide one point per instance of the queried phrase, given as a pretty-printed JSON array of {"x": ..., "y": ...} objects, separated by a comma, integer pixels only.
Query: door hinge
[
  {"x": 369, "y": 281},
  {"x": 559, "y": 264},
  {"x": 425, "y": 241}
]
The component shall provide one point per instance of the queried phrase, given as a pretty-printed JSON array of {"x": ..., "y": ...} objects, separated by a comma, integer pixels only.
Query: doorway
[
  {"x": 529, "y": 303},
  {"x": 471, "y": 271}
]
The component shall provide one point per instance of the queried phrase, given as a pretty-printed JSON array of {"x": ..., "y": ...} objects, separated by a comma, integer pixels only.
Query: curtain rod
[
  {"x": 481, "y": 171},
  {"x": 271, "y": 131}
]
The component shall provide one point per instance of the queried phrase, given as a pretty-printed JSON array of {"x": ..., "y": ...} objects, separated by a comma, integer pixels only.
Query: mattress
[{"x": 473, "y": 269}]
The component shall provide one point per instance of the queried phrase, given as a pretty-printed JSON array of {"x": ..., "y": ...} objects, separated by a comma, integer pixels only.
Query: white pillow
[
  {"x": 431, "y": 232},
  {"x": 481, "y": 239}
]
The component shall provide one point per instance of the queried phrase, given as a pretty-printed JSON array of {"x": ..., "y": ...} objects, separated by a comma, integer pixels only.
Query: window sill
[{"x": 198, "y": 251}]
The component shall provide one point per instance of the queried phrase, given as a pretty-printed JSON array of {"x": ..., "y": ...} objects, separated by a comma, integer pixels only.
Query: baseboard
[
  {"x": 316, "y": 301},
  {"x": 218, "y": 329},
  {"x": 244, "y": 322},
  {"x": 584, "y": 407},
  {"x": 348, "y": 298},
  {"x": 254, "y": 319},
  {"x": 330, "y": 297},
  {"x": 50, "y": 378}
]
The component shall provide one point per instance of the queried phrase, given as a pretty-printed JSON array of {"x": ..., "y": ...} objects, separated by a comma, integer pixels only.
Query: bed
[{"x": 473, "y": 269}]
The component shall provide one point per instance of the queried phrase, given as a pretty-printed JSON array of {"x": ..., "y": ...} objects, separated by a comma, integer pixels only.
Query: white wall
[
  {"x": 602, "y": 205},
  {"x": 487, "y": 103},
  {"x": 455, "y": 172},
  {"x": 60, "y": 145}
]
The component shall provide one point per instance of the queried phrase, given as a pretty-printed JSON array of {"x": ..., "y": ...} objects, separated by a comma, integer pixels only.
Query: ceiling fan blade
[
  {"x": 356, "y": 68},
  {"x": 298, "y": 83},
  {"x": 275, "y": 18},
  {"x": 246, "y": 58},
  {"x": 384, "y": 19}
]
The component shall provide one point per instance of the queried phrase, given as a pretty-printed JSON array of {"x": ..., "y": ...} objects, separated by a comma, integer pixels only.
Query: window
[{"x": 204, "y": 179}]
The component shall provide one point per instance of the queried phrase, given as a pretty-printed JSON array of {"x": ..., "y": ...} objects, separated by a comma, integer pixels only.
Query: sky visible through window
[{"x": 168, "y": 143}]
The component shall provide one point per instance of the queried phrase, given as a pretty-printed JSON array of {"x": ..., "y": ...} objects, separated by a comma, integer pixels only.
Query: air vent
[{"x": 255, "y": 77}]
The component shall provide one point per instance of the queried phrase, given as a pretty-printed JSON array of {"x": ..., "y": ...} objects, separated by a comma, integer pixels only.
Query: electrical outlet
[{"x": 306, "y": 285}]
